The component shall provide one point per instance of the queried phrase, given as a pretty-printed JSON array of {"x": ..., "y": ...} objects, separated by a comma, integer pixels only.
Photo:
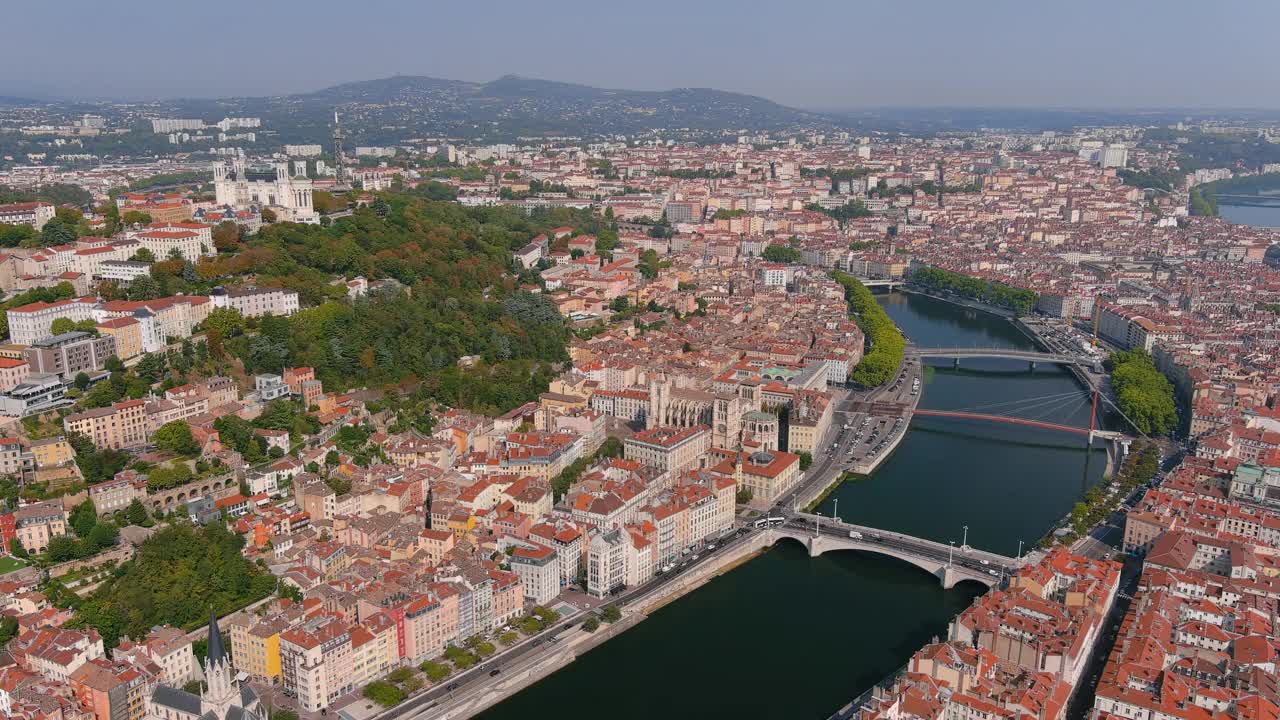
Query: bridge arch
[{"x": 949, "y": 576}]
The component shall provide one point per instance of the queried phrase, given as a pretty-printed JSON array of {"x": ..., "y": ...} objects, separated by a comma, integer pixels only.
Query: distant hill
[{"x": 517, "y": 106}]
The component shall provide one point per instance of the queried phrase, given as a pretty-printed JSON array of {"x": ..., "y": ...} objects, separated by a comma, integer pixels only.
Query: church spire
[{"x": 217, "y": 651}]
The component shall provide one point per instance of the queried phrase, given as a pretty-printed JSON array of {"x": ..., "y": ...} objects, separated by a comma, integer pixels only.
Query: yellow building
[
  {"x": 461, "y": 523},
  {"x": 128, "y": 336},
  {"x": 52, "y": 452},
  {"x": 255, "y": 645}
]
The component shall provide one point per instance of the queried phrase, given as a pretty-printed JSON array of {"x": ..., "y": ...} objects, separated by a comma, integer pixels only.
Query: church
[
  {"x": 243, "y": 186},
  {"x": 223, "y": 698}
]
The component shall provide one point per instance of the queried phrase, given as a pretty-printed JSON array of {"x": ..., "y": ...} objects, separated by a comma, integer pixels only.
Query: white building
[
  {"x": 32, "y": 322},
  {"x": 303, "y": 150},
  {"x": 607, "y": 562},
  {"x": 539, "y": 571},
  {"x": 35, "y": 214},
  {"x": 256, "y": 302},
  {"x": 245, "y": 186}
]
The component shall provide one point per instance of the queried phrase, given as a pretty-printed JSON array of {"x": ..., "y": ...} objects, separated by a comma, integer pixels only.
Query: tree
[
  {"x": 144, "y": 255},
  {"x": 176, "y": 437},
  {"x": 806, "y": 459},
  {"x": 226, "y": 321},
  {"x": 435, "y": 671},
  {"x": 591, "y": 624},
  {"x": 383, "y": 693},
  {"x": 781, "y": 254},
  {"x": 82, "y": 518},
  {"x": 743, "y": 496},
  {"x": 62, "y": 548},
  {"x": 268, "y": 215},
  {"x": 17, "y": 550},
  {"x": 611, "y": 613},
  {"x": 57, "y": 232},
  {"x": 136, "y": 513},
  {"x": 82, "y": 381},
  {"x": 144, "y": 288},
  {"x": 135, "y": 218},
  {"x": 610, "y": 448},
  {"x": 8, "y": 629},
  {"x": 226, "y": 237}
]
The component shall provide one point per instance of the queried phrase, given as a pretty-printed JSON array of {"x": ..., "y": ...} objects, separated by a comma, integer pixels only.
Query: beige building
[
  {"x": 13, "y": 372},
  {"x": 115, "y": 494},
  {"x": 809, "y": 421},
  {"x": 52, "y": 452},
  {"x": 36, "y": 524},
  {"x": 123, "y": 425},
  {"x": 768, "y": 475},
  {"x": 316, "y": 662},
  {"x": 669, "y": 449}
]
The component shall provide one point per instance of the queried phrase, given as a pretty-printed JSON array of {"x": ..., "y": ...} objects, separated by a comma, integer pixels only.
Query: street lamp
[
  {"x": 835, "y": 511},
  {"x": 1019, "y": 551},
  {"x": 965, "y": 542},
  {"x": 950, "y": 551},
  {"x": 817, "y": 523}
]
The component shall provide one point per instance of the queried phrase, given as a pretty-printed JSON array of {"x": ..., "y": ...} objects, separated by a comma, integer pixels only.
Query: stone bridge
[{"x": 950, "y": 565}]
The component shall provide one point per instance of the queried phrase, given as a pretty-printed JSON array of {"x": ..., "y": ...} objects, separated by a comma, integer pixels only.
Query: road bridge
[
  {"x": 1031, "y": 356},
  {"x": 946, "y": 562},
  {"x": 881, "y": 282}
]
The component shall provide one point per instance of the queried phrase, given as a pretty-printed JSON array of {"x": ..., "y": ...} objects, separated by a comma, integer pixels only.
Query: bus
[{"x": 770, "y": 522}]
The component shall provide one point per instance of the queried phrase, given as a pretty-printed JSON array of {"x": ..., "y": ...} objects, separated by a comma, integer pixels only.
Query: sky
[{"x": 816, "y": 54}]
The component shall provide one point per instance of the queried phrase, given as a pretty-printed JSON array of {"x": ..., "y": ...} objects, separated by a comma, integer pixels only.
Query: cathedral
[
  {"x": 242, "y": 186},
  {"x": 223, "y": 698},
  {"x": 728, "y": 414}
]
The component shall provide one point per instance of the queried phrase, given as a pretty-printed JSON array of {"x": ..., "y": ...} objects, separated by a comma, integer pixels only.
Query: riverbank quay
[{"x": 504, "y": 676}]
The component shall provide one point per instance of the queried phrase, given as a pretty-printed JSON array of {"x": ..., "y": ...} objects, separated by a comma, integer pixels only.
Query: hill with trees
[{"x": 462, "y": 298}]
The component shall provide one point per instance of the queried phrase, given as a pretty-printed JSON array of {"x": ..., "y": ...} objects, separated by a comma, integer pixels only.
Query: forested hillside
[{"x": 461, "y": 298}]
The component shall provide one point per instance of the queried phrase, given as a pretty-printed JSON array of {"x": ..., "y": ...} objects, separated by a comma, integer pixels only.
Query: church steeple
[
  {"x": 217, "y": 651},
  {"x": 221, "y": 691}
]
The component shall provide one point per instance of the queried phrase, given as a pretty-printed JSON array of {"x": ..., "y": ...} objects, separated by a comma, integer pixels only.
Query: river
[
  {"x": 1255, "y": 215},
  {"x": 789, "y": 636}
]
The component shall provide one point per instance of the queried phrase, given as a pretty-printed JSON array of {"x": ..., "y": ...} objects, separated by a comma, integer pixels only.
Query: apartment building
[
  {"x": 116, "y": 494},
  {"x": 38, "y": 523},
  {"x": 257, "y": 302},
  {"x": 127, "y": 335},
  {"x": 35, "y": 214},
  {"x": 188, "y": 244},
  {"x": 55, "y": 653},
  {"x": 607, "y": 562},
  {"x": 52, "y": 452},
  {"x": 768, "y": 475},
  {"x": 123, "y": 425},
  {"x": 111, "y": 690},
  {"x": 669, "y": 449},
  {"x": 70, "y": 354},
  {"x": 539, "y": 571},
  {"x": 255, "y": 644},
  {"x": 316, "y": 662},
  {"x": 12, "y": 373},
  {"x": 33, "y": 321}
]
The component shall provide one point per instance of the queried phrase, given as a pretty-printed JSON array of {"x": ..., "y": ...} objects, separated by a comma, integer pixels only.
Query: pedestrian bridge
[
  {"x": 949, "y": 564},
  {"x": 1031, "y": 356},
  {"x": 1108, "y": 435}
]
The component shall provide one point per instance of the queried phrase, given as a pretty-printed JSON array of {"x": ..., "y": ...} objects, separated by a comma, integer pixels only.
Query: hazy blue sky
[{"x": 809, "y": 53}]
